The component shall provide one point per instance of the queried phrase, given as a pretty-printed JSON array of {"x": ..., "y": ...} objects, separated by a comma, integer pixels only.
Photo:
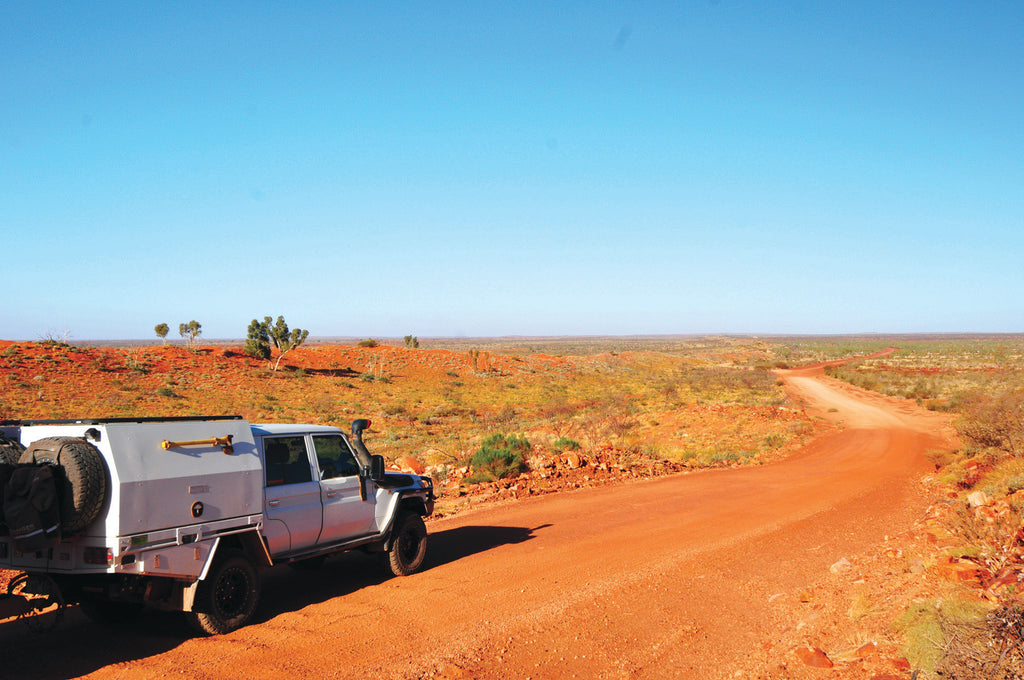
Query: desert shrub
[
  {"x": 257, "y": 342},
  {"x": 564, "y": 443},
  {"x": 136, "y": 362},
  {"x": 395, "y": 409},
  {"x": 506, "y": 415},
  {"x": 963, "y": 638},
  {"x": 995, "y": 421},
  {"x": 368, "y": 343},
  {"x": 499, "y": 456},
  {"x": 165, "y": 392}
]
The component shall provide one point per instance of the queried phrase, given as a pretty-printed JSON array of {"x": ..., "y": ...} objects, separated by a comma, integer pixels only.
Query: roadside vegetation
[{"x": 975, "y": 628}]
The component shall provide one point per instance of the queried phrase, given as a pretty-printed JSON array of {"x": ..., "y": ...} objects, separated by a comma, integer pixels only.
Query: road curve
[{"x": 664, "y": 578}]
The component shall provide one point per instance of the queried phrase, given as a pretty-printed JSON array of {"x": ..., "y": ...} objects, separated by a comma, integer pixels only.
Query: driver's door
[{"x": 346, "y": 515}]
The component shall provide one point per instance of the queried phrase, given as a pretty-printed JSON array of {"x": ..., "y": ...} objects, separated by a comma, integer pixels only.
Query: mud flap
[{"x": 188, "y": 596}]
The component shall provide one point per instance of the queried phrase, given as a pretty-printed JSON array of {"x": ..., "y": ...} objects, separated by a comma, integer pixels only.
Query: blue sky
[{"x": 482, "y": 169}]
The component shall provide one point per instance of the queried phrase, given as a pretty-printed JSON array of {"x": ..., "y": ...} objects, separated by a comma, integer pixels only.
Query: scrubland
[
  {"x": 688, "y": 402},
  {"x": 706, "y": 402}
]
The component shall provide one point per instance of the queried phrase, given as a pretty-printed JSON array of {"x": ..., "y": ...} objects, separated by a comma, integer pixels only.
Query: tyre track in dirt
[{"x": 684, "y": 576}]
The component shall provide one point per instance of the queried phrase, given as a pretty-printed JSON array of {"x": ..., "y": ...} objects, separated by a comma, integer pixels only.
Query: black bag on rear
[
  {"x": 31, "y": 509},
  {"x": 5, "y": 474}
]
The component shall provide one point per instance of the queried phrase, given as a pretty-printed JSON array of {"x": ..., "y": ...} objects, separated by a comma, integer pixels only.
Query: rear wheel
[
  {"x": 409, "y": 546},
  {"x": 227, "y": 599},
  {"x": 83, "y": 484}
]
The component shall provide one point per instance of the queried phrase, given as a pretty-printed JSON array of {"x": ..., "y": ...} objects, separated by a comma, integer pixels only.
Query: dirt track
[{"x": 688, "y": 576}]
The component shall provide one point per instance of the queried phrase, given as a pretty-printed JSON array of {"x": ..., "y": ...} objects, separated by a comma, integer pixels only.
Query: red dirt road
[{"x": 690, "y": 576}]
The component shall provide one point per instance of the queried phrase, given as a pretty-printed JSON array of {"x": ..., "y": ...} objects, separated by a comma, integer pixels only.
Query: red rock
[
  {"x": 960, "y": 572},
  {"x": 814, "y": 657},
  {"x": 410, "y": 464},
  {"x": 573, "y": 460},
  {"x": 870, "y": 649}
]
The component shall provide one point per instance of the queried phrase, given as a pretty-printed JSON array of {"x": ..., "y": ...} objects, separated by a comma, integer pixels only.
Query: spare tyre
[
  {"x": 10, "y": 450},
  {"x": 81, "y": 478}
]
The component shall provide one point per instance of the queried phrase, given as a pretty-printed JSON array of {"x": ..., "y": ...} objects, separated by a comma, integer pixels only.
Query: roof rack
[{"x": 100, "y": 421}]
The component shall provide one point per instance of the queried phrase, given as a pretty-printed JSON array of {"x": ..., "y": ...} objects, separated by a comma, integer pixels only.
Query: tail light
[{"x": 98, "y": 555}]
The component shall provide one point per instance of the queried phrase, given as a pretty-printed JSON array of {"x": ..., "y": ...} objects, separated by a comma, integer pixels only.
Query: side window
[
  {"x": 285, "y": 460},
  {"x": 334, "y": 456}
]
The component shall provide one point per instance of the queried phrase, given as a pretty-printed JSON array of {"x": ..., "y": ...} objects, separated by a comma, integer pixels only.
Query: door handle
[
  {"x": 331, "y": 494},
  {"x": 273, "y": 504}
]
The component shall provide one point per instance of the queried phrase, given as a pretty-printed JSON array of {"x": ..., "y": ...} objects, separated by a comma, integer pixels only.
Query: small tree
[
  {"x": 284, "y": 340},
  {"x": 262, "y": 333},
  {"x": 257, "y": 342},
  {"x": 161, "y": 331},
  {"x": 190, "y": 331},
  {"x": 412, "y": 342}
]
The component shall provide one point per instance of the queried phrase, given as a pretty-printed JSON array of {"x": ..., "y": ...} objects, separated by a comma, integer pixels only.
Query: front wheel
[
  {"x": 409, "y": 546},
  {"x": 227, "y": 599}
]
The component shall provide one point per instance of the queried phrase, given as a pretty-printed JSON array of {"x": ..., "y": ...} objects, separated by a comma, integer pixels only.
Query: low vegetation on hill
[{"x": 699, "y": 405}]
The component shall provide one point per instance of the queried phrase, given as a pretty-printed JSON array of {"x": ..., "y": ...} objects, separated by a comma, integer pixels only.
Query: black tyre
[
  {"x": 227, "y": 599},
  {"x": 409, "y": 546},
  {"x": 82, "y": 482},
  {"x": 10, "y": 450},
  {"x": 111, "y": 613}
]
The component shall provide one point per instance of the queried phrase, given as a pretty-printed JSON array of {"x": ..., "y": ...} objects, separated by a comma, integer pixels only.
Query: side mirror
[{"x": 376, "y": 468}]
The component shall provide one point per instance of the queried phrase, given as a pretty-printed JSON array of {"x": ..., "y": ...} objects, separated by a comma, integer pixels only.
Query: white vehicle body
[{"x": 182, "y": 492}]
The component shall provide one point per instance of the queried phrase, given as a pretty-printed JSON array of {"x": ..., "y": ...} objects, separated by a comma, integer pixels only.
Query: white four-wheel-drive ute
[{"x": 180, "y": 513}]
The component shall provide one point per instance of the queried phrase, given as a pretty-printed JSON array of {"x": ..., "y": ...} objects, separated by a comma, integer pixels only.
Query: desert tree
[
  {"x": 190, "y": 331},
  {"x": 262, "y": 333},
  {"x": 285, "y": 340},
  {"x": 162, "y": 330},
  {"x": 412, "y": 342}
]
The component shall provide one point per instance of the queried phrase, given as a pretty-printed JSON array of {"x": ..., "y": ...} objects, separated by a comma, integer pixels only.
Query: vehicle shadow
[
  {"x": 285, "y": 590},
  {"x": 454, "y": 544},
  {"x": 86, "y": 647}
]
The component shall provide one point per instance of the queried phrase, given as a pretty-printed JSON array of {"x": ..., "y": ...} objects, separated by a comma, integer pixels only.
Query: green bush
[
  {"x": 368, "y": 343},
  {"x": 498, "y": 457},
  {"x": 564, "y": 443},
  {"x": 257, "y": 342}
]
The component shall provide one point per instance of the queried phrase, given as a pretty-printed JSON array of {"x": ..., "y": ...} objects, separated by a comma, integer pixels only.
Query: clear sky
[{"x": 511, "y": 168}]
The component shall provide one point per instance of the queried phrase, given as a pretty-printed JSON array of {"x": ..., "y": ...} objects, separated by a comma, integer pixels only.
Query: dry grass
[{"x": 703, "y": 401}]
